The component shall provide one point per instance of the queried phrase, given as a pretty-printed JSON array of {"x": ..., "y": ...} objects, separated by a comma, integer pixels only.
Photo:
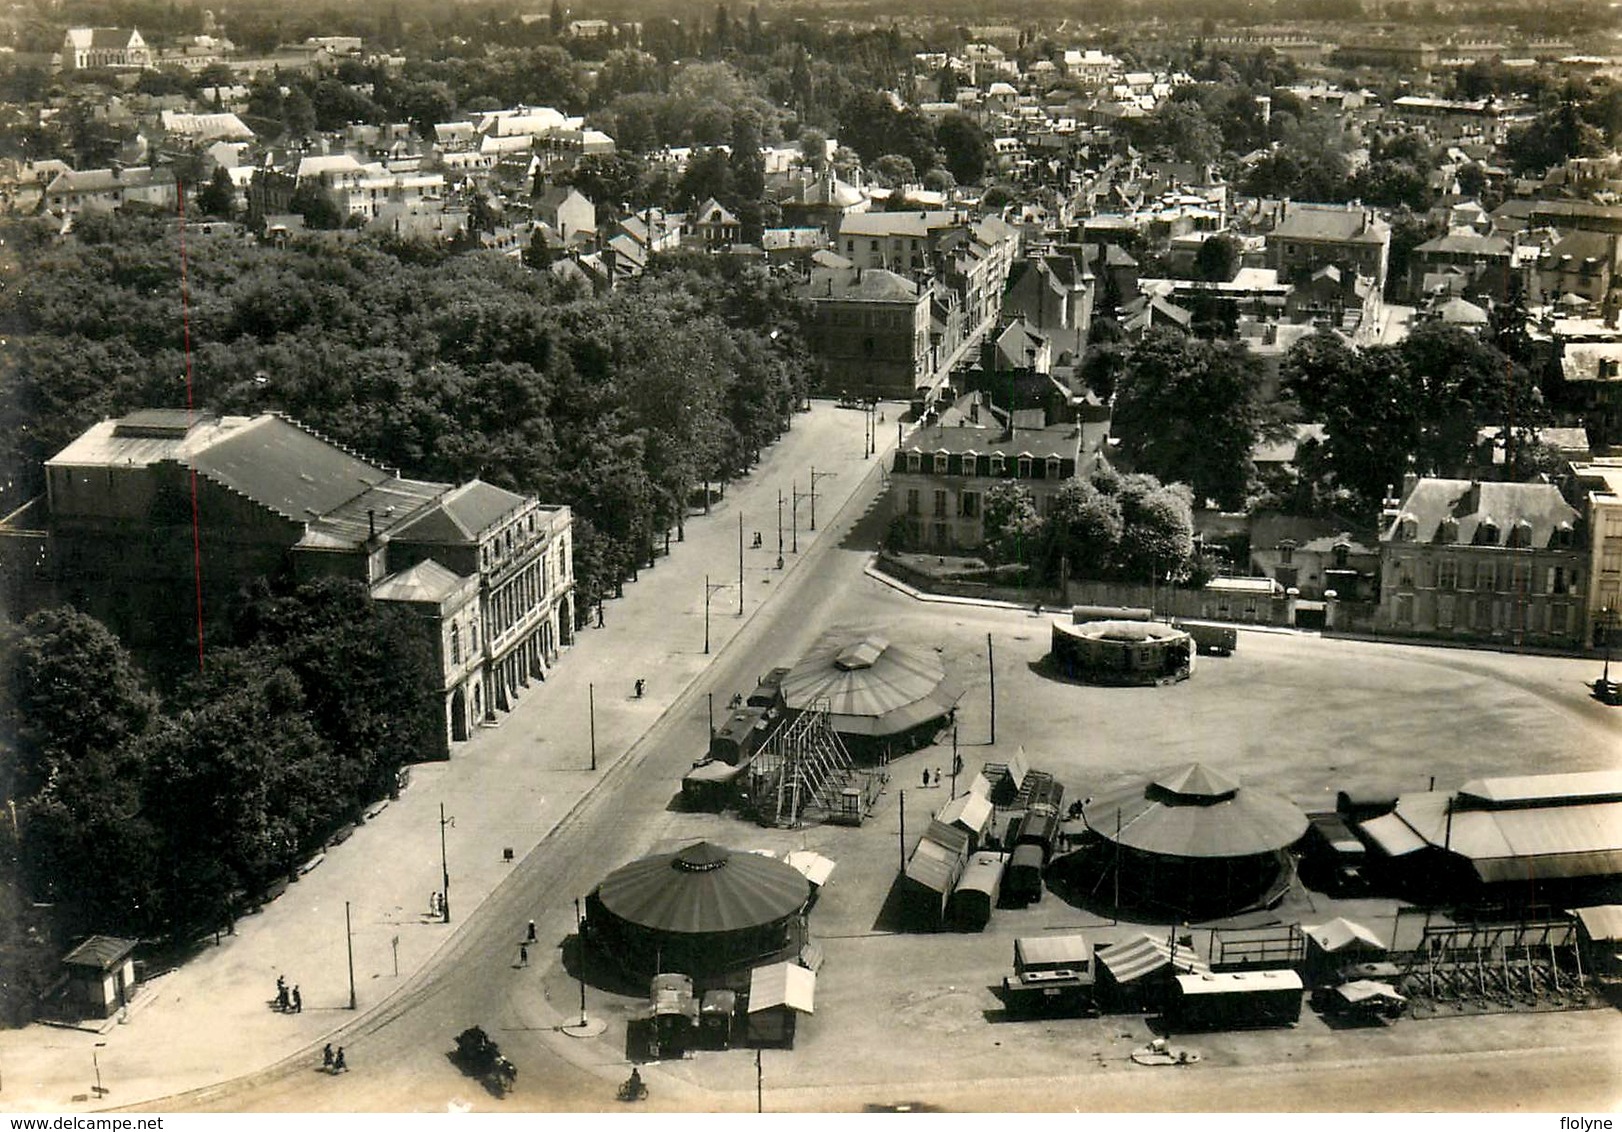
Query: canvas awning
[
  {"x": 782, "y": 984},
  {"x": 1135, "y": 959},
  {"x": 1194, "y": 812},
  {"x": 1341, "y": 933},
  {"x": 1364, "y": 990},
  {"x": 870, "y": 686},
  {"x": 1602, "y": 922},
  {"x": 814, "y": 867},
  {"x": 704, "y": 888},
  {"x": 1053, "y": 951}
]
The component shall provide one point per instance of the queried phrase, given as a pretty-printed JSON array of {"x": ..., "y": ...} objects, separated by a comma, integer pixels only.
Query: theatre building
[{"x": 155, "y": 516}]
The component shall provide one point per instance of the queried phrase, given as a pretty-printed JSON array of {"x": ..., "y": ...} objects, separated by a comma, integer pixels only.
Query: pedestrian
[
  {"x": 338, "y": 1063},
  {"x": 599, "y": 615},
  {"x": 523, "y": 955},
  {"x": 926, "y": 778},
  {"x": 298, "y": 1001},
  {"x": 281, "y": 995},
  {"x": 937, "y": 776},
  {"x": 532, "y": 931},
  {"x": 326, "y": 1057}
]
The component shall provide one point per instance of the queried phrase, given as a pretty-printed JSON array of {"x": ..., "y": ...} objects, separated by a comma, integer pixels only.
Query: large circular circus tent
[
  {"x": 874, "y": 691},
  {"x": 703, "y": 911},
  {"x": 1192, "y": 841}
]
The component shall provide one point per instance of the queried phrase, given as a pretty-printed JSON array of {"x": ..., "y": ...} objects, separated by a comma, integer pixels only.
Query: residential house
[
  {"x": 869, "y": 330},
  {"x": 1485, "y": 561},
  {"x": 714, "y": 227},
  {"x": 84, "y": 49},
  {"x": 135, "y": 505},
  {"x": 1599, "y": 492},
  {"x": 1582, "y": 263},
  {"x": 565, "y": 211},
  {"x": 1592, "y": 385},
  {"x": 1055, "y": 296},
  {"x": 1309, "y": 236},
  {"x": 1484, "y": 262},
  {"x": 104, "y": 190},
  {"x": 1314, "y": 557},
  {"x": 941, "y": 472}
]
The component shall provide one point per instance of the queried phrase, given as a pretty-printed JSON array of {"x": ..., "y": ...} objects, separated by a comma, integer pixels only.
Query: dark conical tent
[
  {"x": 1193, "y": 840},
  {"x": 870, "y": 686},
  {"x": 700, "y": 910}
]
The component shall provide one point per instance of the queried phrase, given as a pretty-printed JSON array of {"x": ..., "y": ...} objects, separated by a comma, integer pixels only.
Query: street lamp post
[
  {"x": 95, "y": 1060},
  {"x": 794, "y": 513},
  {"x": 815, "y": 476},
  {"x": 591, "y": 719},
  {"x": 710, "y": 590},
  {"x": 444, "y": 867},
  {"x": 740, "y": 563}
]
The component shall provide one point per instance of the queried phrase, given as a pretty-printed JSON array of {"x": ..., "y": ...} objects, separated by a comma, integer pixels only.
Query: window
[
  {"x": 942, "y": 463},
  {"x": 1520, "y": 577},
  {"x": 915, "y": 462},
  {"x": 971, "y": 504},
  {"x": 1053, "y": 468},
  {"x": 1611, "y": 561},
  {"x": 968, "y": 462},
  {"x": 1447, "y": 576},
  {"x": 1444, "y": 611},
  {"x": 940, "y": 504},
  {"x": 1555, "y": 580},
  {"x": 1024, "y": 467},
  {"x": 998, "y": 464},
  {"x": 912, "y": 501},
  {"x": 456, "y": 643},
  {"x": 1342, "y": 555},
  {"x": 1405, "y": 573},
  {"x": 1405, "y": 609},
  {"x": 941, "y": 537}
]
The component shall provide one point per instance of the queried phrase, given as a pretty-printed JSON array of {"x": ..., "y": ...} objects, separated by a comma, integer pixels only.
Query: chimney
[
  {"x": 371, "y": 523},
  {"x": 1409, "y": 482}
]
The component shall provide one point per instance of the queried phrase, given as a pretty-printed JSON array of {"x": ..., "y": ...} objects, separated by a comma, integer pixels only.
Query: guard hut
[
  {"x": 1337, "y": 944},
  {"x": 778, "y": 995},
  {"x": 101, "y": 974}
]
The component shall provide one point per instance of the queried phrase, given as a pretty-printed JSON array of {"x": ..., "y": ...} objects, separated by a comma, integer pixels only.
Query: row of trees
[
  {"x": 147, "y": 814},
  {"x": 446, "y": 367}
]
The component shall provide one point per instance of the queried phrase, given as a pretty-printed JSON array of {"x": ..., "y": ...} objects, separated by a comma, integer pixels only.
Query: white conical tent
[
  {"x": 870, "y": 686},
  {"x": 1193, "y": 811}
]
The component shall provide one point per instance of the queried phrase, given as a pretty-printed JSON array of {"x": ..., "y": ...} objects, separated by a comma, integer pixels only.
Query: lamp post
[
  {"x": 815, "y": 476},
  {"x": 794, "y": 513},
  {"x": 349, "y": 945},
  {"x": 95, "y": 1061},
  {"x": 444, "y": 867},
  {"x": 591, "y": 718},
  {"x": 710, "y": 590},
  {"x": 740, "y": 563}
]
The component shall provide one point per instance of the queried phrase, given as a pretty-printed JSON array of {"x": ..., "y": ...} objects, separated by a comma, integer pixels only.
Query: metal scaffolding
[
  {"x": 1491, "y": 967},
  {"x": 805, "y": 769}
]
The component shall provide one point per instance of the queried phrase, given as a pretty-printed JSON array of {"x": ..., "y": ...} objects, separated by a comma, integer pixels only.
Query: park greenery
[
  {"x": 161, "y": 813},
  {"x": 447, "y": 367}
]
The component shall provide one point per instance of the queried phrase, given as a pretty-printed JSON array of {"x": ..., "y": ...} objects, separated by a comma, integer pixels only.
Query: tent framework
[
  {"x": 1266, "y": 947},
  {"x": 806, "y": 770},
  {"x": 1496, "y": 967}
]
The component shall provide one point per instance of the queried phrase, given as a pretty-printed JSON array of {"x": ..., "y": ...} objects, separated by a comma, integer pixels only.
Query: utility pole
[
  {"x": 349, "y": 943},
  {"x": 710, "y": 590},
  {"x": 710, "y": 712},
  {"x": 580, "y": 938},
  {"x": 96, "y": 1061},
  {"x": 991, "y": 672},
  {"x": 780, "y": 522},
  {"x": 591, "y": 715},
  {"x": 955, "y": 759},
  {"x": 815, "y": 476},
  {"x": 903, "y": 810},
  {"x": 444, "y": 867},
  {"x": 740, "y": 563},
  {"x": 794, "y": 491},
  {"x": 760, "y": 1087}
]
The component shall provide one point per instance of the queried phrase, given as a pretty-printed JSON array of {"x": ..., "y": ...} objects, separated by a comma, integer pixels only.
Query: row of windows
[
  {"x": 1509, "y": 576},
  {"x": 1488, "y": 533},
  {"x": 973, "y": 464},
  {"x": 1485, "y": 614},
  {"x": 501, "y": 546},
  {"x": 966, "y": 506}
]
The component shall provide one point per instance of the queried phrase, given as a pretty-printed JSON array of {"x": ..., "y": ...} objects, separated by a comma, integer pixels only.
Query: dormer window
[
  {"x": 999, "y": 464},
  {"x": 1564, "y": 535},
  {"x": 969, "y": 462},
  {"x": 1520, "y": 534},
  {"x": 915, "y": 462},
  {"x": 942, "y": 463},
  {"x": 1407, "y": 528},
  {"x": 1053, "y": 468},
  {"x": 1448, "y": 530},
  {"x": 1486, "y": 532},
  {"x": 1024, "y": 467},
  {"x": 1286, "y": 552},
  {"x": 1343, "y": 553}
]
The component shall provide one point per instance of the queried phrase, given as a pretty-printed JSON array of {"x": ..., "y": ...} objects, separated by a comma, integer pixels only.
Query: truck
[{"x": 1052, "y": 975}]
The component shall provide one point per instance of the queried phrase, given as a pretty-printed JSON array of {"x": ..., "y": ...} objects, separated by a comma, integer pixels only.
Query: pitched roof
[
  {"x": 102, "y": 952},
  {"x": 462, "y": 515},
  {"x": 426, "y": 582},
  {"x": 1339, "y": 223},
  {"x": 873, "y": 285},
  {"x": 1539, "y": 505}
]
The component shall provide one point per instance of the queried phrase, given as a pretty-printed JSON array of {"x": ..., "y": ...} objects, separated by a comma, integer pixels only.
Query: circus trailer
[
  {"x": 711, "y": 786},
  {"x": 971, "y": 902},
  {"x": 673, "y": 1016},
  {"x": 742, "y": 733},
  {"x": 1052, "y": 975},
  {"x": 1024, "y": 880},
  {"x": 1233, "y": 1000}
]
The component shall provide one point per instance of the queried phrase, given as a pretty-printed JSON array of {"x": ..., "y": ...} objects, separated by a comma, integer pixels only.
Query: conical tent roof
[
  {"x": 702, "y": 889},
  {"x": 871, "y": 687},
  {"x": 1193, "y": 811}
]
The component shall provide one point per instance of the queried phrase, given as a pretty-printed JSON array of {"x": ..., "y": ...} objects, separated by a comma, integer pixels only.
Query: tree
[
  {"x": 1218, "y": 258},
  {"x": 1083, "y": 529},
  {"x": 1191, "y": 410},
  {"x": 965, "y": 148},
  {"x": 748, "y": 169},
  {"x": 219, "y": 196},
  {"x": 1157, "y": 529},
  {"x": 310, "y": 201},
  {"x": 1012, "y": 527},
  {"x": 893, "y": 171}
]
